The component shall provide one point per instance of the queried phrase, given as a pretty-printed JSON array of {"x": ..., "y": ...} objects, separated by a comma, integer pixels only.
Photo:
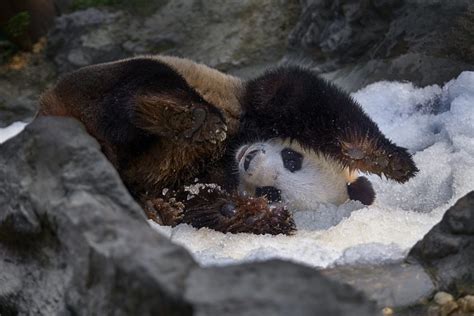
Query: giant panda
[
  {"x": 285, "y": 172},
  {"x": 165, "y": 121}
]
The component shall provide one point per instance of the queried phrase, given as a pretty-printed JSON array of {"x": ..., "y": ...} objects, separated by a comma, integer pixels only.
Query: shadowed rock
[
  {"x": 394, "y": 285},
  {"x": 447, "y": 251},
  {"x": 72, "y": 239},
  {"x": 360, "y": 42}
]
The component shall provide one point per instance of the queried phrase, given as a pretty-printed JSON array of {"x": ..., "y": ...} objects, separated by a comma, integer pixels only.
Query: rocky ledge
[
  {"x": 74, "y": 242},
  {"x": 441, "y": 262},
  {"x": 447, "y": 251}
]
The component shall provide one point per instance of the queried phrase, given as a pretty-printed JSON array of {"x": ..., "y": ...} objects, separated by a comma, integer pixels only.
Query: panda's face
[{"x": 284, "y": 171}]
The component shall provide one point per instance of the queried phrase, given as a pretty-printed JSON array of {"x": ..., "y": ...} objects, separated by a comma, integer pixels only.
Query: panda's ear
[{"x": 361, "y": 190}]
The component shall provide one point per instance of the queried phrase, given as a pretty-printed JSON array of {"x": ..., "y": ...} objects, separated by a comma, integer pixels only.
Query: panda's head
[{"x": 283, "y": 171}]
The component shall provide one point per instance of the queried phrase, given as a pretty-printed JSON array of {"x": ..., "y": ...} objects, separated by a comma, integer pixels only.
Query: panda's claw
[
  {"x": 198, "y": 118},
  {"x": 235, "y": 214},
  {"x": 164, "y": 212},
  {"x": 400, "y": 166},
  {"x": 205, "y": 126}
]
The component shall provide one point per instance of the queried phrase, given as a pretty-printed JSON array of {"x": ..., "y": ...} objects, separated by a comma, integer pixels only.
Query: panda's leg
[
  {"x": 375, "y": 154},
  {"x": 178, "y": 118},
  {"x": 236, "y": 214},
  {"x": 361, "y": 190},
  {"x": 221, "y": 212}
]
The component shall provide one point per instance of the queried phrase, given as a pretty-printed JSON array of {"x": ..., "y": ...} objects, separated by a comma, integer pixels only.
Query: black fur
[
  {"x": 361, "y": 190},
  {"x": 293, "y": 102},
  {"x": 288, "y": 102}
]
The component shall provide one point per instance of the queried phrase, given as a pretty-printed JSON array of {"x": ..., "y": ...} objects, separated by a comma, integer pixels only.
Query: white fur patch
[{"x": 320, "y": 180}]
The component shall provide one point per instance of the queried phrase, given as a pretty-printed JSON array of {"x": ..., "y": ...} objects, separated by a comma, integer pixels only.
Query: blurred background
[{"x": 352, "y": 43}]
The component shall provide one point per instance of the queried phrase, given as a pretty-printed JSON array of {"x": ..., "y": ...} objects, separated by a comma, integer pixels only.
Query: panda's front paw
[
  {"x": 206, "y": 126},
  {"x": 242, "y": 215},
  {"x": 400, "y": 166},
  {"x": 382, "y": 159}
]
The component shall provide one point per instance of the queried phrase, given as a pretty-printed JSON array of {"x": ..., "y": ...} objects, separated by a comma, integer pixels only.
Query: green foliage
[{"x": 18, "y": 24}]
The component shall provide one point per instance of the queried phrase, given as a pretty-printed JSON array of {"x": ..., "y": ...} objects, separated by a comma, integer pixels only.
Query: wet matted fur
[{"x": 162, "y": 121}]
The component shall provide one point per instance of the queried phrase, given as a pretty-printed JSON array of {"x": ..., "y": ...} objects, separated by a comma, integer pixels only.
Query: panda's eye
[
  {"x": 292, "y": 160},
  {"x": 271, "y": 193}
]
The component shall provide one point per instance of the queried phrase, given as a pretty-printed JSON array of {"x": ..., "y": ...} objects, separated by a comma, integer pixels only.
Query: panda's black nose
[{"x": 249, "y": 157}]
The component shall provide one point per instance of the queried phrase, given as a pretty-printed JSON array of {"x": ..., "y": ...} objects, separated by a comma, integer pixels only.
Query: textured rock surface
[
  {"x": 361, "y": 42},
  {"x": 73, "y": 242},
  {"x": 447, "y": 251},
  {"x": 394, "y": 285},
  {"x": 421, "y": 69},
  {"x": 20, "y": 89},
  {"x": 223, "y": 34},
  {"x": 264, "y": 289}
]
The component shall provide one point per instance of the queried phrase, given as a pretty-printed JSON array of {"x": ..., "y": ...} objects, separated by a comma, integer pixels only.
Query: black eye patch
[
  {"x": 271, "y": 193},
  {"x": 292, "y": 160}
]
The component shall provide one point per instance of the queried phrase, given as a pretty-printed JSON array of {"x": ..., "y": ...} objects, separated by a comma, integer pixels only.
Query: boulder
[
  {"x": 390, "y": 285},
  {"x": 447, "y": 251},
  {"x": 21, "y": 88},
  {"x": 229, "y": 37},
  {"x": 74, "y": 242},
  {"x": 360, "y": 42},
  {"x": 271, "y": 288}
]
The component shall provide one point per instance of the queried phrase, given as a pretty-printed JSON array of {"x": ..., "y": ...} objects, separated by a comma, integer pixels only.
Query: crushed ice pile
[{"x": 435, "y": 123}]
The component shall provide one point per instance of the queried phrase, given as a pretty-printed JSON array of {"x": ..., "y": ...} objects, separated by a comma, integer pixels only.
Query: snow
[
  {"x": 10, "y": 131},
  {"x": 435, "y": 123}
]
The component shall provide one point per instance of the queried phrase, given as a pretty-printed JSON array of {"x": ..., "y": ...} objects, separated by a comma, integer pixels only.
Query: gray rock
[
  {"x": 447, "y": 251},
  {"x": 227, "y": 35},
  {"x": 421, "y": 69},
  {"x": 393, "y": 285},
  {"x": 340, "y": 32},
  {"x": 359, "y": 42},
  {"x": 264, "y": 289},
  {"x": 20, "y": 89},
  {"x": 88, "y": 37},
  {"x": 74, "y": 242}
]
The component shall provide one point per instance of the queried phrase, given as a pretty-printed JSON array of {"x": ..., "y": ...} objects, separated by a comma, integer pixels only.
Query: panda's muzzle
[{"x": 248, "y": 158}]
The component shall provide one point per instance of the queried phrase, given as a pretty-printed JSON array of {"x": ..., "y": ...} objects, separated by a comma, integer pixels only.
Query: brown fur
[
  {"x": 217, "y": 209},
  {"x": 222, "y": 90},
  {"x": 164, "y": 120},
  {"x": 160, "y": 131},
  {"x": 160, "y": 119}
]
